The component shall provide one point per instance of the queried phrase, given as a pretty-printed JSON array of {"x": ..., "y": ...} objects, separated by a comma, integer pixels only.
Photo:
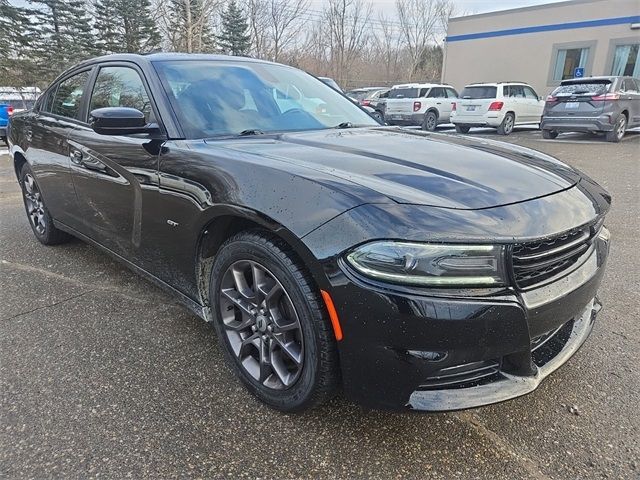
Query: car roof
[
  {"x": 610, "y": 78},
  {"x": 367, "y": 89},
  {"x": 167, "y": 56},
  {"x": 421, "y": 85},
  {"x": 495, "y": 84}
]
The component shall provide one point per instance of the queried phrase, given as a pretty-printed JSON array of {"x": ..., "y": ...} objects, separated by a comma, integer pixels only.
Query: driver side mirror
[{"x": 120, "y": 121}]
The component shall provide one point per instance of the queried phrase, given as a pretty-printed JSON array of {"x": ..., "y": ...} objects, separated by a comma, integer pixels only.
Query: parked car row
[
  {"x": 14, "y": 100},
  {"x": 608, "y": 105}
]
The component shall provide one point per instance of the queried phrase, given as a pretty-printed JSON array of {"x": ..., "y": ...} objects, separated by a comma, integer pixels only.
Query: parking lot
[{"x": 101, "y": 374}]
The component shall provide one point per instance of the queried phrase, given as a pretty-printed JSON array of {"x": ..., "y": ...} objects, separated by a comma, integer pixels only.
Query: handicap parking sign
[{"x": 578, "y": 72}]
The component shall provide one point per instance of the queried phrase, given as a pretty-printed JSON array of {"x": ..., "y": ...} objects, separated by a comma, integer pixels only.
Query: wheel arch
[
  {"x": 229, "y": 221},
  {"x": 19, "y": 160}
]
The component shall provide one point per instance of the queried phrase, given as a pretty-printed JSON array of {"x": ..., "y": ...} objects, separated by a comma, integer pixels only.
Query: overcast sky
[{"x": 462, "y": 6}]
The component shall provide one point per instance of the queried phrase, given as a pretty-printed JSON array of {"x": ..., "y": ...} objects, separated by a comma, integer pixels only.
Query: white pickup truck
[{"x": 424, "y": 104}]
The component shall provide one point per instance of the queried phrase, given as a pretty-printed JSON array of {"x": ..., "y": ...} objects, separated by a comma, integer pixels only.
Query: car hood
[{"x": 439, "y": 170}]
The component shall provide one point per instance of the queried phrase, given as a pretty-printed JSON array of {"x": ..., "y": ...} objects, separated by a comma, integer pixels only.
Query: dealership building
[{"x": 544, "y": 45}]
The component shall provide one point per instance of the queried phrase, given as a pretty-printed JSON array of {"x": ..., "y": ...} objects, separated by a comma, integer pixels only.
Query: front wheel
[
  {"x": 430, "y": 121},
  {"x": 549, "y": 134},
  {"x": 462, "y": 129},
  {"x": 271, "y": 323},
  {"x": 506, "y": 127},
  {"x": 619, "y": 129}
]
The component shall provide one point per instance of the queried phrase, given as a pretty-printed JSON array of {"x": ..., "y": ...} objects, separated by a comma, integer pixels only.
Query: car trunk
[
  {"x": 400, "y": 101},
  {"x": 476, "y": 100},
  {"x": 576, "y": 99}
]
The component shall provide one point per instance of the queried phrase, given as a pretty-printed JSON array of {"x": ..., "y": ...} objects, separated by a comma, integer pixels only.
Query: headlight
[{"x": 437, "y": 265}]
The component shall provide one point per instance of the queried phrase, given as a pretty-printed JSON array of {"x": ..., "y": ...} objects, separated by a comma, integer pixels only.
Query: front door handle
[
  {"x": 29, "y": 135},
  {"x": 76, "y": 157}
]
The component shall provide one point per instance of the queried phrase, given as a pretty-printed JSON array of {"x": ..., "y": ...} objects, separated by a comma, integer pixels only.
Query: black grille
[
  {"x": 548, "y": 345},
  {"x": 535, "y": 262},
  {"x": 463, "y": 376}
]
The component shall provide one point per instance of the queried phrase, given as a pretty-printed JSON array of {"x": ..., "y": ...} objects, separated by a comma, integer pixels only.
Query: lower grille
[
  {"x": 548, "y": 345},
  {"x": 463, "y": 376},
  {"x": 536, "y": 262}
]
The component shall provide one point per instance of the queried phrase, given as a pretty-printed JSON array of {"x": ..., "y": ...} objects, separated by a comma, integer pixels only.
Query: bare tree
[
  {"x": 347, "y": 28},
  {"x": 388, "y": 46},
  {"x": 286, "y": 22},
  {"x": 258, "y": 17},
  {"x": 186, "y": 24},
  {"x": 421, "y": 21}
]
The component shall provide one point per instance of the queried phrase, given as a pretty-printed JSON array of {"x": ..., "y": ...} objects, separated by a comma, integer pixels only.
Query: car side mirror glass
[{"x": 120, "y": 121}]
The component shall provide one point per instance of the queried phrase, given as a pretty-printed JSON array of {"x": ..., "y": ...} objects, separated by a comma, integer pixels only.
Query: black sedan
[{"x": 414, "y": 270}]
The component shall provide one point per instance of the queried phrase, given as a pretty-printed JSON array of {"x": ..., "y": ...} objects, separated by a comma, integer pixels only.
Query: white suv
[
  {"x": 424, "y": 104},
  {"x": 500, "y": 105}
]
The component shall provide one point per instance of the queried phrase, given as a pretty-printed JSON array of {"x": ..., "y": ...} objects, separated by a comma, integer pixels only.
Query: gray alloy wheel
[
  {"x": 549, "y": 134},
  {"x": 430, "y": 121},
  {"x": 261, "y": 324},
  {"x": 506, "y": 127},
  {"x": 35, "y": 205},
  {"x": 39, "y": 217},
  {"x": 619, "y": 129}
]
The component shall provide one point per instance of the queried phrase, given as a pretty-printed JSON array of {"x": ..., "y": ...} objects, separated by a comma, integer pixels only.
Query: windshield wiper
[
  {"x": 345, "y": 125},
  {"x": 252, "y": 131}
]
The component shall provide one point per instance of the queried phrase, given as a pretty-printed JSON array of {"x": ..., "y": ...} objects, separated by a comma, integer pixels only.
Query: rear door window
[
  {"x": 515, "y": 91},
  {"x": 68, "y": 98},
  {"x": 476, "y": 93}
]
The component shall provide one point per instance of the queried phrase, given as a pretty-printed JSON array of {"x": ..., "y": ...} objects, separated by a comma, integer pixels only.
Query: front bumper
[
  {"x": 581, "y": 124},
  {"x": 455, "y": 350}
]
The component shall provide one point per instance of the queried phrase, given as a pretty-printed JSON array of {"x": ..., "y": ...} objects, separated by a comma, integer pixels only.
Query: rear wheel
[
  {"x": 619, "y": 129},
  {"x": 549, "y": 134},
  {"x": 462, "y": 129},
  {"x": 506, "y": 127},
  {"x": 271, "y": 323},
  {"x": 430, "y": 121},
  {"x": 39, "y": 217}
]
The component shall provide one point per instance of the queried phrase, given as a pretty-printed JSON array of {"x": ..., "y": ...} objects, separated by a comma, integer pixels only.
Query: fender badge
[{"x": 172, "y": 223}]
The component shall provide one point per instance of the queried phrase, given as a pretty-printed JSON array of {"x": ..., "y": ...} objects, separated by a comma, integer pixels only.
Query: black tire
[
  {"x": 549, "y": 134},
  {"x": 430, "y": 121},
  {"x": 508, "y": 122},
  {"x": 378, "y": 116},
  {"x": 318, "y": 376},
  {"x": 462, "y": 129},
  {"x": 619, "y": 129},
  {"x": 37, "y": 213}
]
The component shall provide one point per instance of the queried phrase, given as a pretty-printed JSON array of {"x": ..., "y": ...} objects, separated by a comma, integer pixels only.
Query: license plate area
[
  {"x": 471, "y": 108},
  {"x": 572, "y": 105}
]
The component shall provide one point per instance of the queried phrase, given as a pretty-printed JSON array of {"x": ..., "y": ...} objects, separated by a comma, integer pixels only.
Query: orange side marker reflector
[{"x": 333, "y": 315}]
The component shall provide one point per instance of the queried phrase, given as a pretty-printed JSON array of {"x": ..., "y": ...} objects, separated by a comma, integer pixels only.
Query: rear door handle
[{"x": 29, "y": 134}]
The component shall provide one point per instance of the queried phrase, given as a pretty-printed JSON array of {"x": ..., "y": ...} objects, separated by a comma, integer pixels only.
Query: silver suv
[{"x": 593, "y": 104}]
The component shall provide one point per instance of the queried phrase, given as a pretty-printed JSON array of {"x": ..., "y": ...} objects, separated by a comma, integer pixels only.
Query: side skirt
[{"x": 201, "y": 311}]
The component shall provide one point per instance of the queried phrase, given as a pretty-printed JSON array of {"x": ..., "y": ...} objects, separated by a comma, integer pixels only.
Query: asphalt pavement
[{"x": 103, "y": 375}]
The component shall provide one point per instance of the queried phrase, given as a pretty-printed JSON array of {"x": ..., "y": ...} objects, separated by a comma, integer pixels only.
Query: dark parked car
[
  {"x": 608, "y": 105},
  {"x": 417, "y": 270}
]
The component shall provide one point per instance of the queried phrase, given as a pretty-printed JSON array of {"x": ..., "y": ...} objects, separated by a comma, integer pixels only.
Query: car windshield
[
  {"x": 218, "y": 98},
  {"x": 476, "y": 93},
  {"x": 403, "y": 93},
  {"x": 583, "y": 88}
]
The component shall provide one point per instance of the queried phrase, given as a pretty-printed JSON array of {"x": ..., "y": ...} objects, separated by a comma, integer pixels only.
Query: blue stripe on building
[{"x": 546, "y": 28}]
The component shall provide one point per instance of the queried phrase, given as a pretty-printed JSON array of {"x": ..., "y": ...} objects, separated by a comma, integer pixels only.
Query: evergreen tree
[
  {"x": 234, "y": 38},
  {"x": 190, "y": 29},
  {"x": 125, "y": 26},
  {"x": 17, "y": 29},
  {"x": 64, "y": 34}
]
